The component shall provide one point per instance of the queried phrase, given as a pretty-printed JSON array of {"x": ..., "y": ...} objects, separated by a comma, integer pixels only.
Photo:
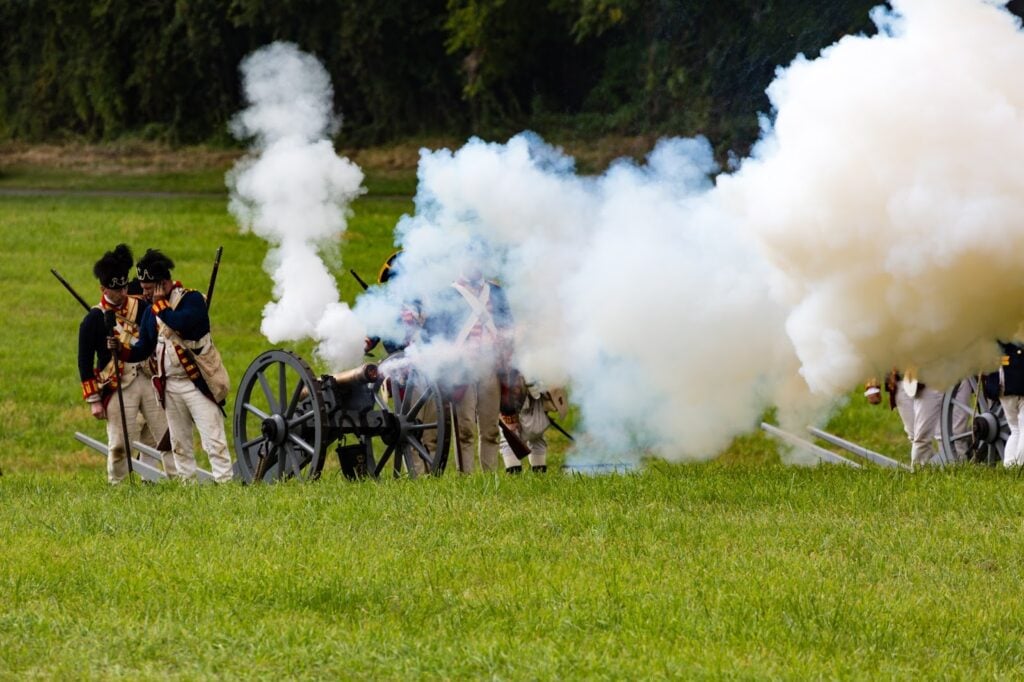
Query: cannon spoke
[
  {"x": 296, "y": 466},
  {"x": 378, "y": 395},
  {"x": 249, "y": 407},
  {"x": 415, "y": 409},
  {"x": 302, "y": 444},
  {"x": 418, "y": 428},
  {"x": 294, "y": 402},
  {"x": 282, "y": 386},
  {"x": 265, "y": 385},
  {"x": 382, "y": 462},
  {"x": 962, "y": 406},
  {"x": 295, "y": 421},
  {"x": 248, "y": 445},
  {"x": 421, "y": 451}
]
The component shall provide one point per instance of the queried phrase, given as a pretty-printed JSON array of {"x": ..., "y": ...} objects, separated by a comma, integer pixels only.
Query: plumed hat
[
  {"x": 112, "y": 270},
  {"x": 154, "y": 266}
]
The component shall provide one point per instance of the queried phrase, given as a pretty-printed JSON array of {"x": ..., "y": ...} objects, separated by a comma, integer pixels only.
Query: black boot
[
  {"x": 517, "y": 469},
  {"x": 539, "y": 468}
]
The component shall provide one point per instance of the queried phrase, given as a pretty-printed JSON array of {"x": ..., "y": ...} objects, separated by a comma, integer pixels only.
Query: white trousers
[
  {"x": 920, "y": 415},
  {"x": 186, "y": 405},
  {"x": 139, "y": 399},
  {"x": 478, "y": 409},
  {"x": 533, "y": 421},
  {"x": 1013, "y": 453}
]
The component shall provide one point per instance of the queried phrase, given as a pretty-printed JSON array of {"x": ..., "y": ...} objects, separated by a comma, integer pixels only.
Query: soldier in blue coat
[
  {"x": 189, "y": 373},
  {"x": 99, "y": 376}
]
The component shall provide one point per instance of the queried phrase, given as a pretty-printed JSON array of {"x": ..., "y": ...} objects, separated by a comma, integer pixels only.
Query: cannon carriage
[{"x": 379, "y": 418}]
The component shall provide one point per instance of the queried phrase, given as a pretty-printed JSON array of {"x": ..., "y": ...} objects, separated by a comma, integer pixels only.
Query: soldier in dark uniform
[
  {"x": 1011, "y": 383},
  {"x": 97, "y": 373}
]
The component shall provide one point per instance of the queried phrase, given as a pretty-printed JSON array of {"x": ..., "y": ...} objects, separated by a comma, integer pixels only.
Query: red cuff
[
  {"x": 89, "y": 388},
  {"x": 159, "y": 306}
]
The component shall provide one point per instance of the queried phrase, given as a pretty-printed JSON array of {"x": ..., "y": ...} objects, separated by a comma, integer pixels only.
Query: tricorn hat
[
  {"x": 112, "y": 270},
  {"x": 154, "y": 266}
]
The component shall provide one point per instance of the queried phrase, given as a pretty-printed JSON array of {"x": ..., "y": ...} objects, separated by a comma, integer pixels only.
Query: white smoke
[
  {"x": 887, "y": 194},
  {"x": 631, "y": 287},
  {"x": 294, "y": 191},
  {"x": 877, "y": 223}
]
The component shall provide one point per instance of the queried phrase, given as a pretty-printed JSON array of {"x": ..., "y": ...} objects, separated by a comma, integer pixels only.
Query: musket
[
  {"x": 110, "y": 319},
  {"x": 213, "y": 277},
  {"x": 458, "y": 444},
  {"x": 71, "y": 289},
  {"x": 359, "y": 279},
  {"x": 558, "y": 427},
  {"x": 519, "y": 448}
]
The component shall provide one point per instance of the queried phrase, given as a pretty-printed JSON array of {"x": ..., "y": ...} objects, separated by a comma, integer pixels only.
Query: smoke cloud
[
  {"x": 876, "y": 223},
  {"x": 885, "y": 193},
  {"x": 293, "y": 190}
]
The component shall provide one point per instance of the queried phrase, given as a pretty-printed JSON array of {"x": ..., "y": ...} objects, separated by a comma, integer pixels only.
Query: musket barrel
[{"x": 70, "y": 289}]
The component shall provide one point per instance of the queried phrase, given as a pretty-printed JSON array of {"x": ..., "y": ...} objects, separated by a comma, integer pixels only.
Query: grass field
[{"x": 737, "y": 568}]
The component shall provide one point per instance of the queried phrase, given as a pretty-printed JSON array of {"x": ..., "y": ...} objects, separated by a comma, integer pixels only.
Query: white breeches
[
  {"x": 920, "y": 415},
  {"x": 1013, "y": 453},
  {"x": 186, "y": 405},
  {"x": 139, "y": 399}
]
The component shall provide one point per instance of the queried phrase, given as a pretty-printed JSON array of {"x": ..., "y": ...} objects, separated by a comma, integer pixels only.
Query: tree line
[{"x": 168, "y": 69}]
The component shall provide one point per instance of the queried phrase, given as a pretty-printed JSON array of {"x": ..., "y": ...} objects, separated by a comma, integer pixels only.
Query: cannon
[{"x": 378, "y": 417}]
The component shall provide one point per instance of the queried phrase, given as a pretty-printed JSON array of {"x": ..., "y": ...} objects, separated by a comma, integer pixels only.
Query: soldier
[
  {"x": 411, "y": 316},
  {"x": 474, "y": 316},
  {"x": 529, "y": 423},
  {"x": 189, "y": 376},
  {"x": 97, "y": 372},
  {"x": 1011, "y": 383},
  {"x": 919, "y": 407}
]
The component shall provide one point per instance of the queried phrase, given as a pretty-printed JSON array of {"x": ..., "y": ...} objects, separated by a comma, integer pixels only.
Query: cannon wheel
[
  {"x": 972, "y": 426},
  {"x": 420, "y": 437},
  {"x": 279, "y": 419}
]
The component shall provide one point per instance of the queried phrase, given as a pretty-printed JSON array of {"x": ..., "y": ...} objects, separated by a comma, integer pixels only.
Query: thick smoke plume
[
  {"x": 294, "y": 191},
  {"x": 877, "y": 223},
  {"x": 886, "y": 194}
]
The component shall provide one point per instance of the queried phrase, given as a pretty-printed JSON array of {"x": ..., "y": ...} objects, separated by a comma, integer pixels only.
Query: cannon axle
[{"x": 274, "y": 429}]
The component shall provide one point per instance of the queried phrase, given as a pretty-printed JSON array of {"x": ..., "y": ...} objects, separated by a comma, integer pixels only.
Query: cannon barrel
[{"x": 366, "y": 374}]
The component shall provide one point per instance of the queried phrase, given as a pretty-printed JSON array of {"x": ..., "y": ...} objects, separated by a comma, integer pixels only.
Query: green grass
[
  {"x": 681, "y": 572},
  {"x": 204, "y": 181},
  {"x": 737, "y": 568}
]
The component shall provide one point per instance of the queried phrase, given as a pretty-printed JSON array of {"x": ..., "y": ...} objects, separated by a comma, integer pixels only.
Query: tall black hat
[
  {"x": 112, "y": 270},
  {"x": 154, "y": 266}
]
